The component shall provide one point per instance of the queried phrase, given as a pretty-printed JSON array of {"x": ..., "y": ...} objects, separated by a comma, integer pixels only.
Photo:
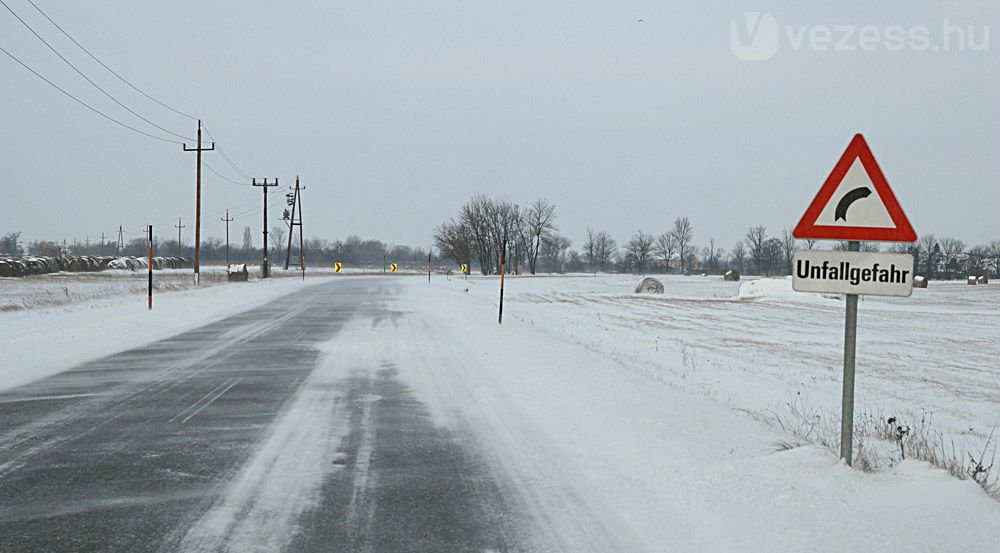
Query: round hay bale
[
  {"x": 77, "y": 265},
  {"x": 6, "y": 270},
  {"x": 731, "y": 276},
  {"x": 119, "y": 263},
  {"x": 983, "y": 280},
  {"x": 649, "y": 285},
  {"x": 972, "y": 281},
  {"x": 920, "y": 281}
]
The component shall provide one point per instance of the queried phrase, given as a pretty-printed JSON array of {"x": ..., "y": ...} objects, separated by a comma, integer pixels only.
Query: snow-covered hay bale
[
  {"x": 920, "y": 281},
  {"x": 6, "y": 269},
  {"x": 649, "y": 285},
  {"x": 972, "y": 281},
  {"x": 238, "y": 273},
  {"x": 731, "y": 276},
  {"x": 83, "y": 264},
  {"x": 127, "y": 264},
  {"x": 983, "y": 280}
]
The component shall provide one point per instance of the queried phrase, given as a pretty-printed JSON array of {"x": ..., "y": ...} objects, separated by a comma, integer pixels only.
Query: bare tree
[
  {"x": 599, "y": 249},
  {"x": 995, "y": 256},
  {"x": 772, "y": 255},
  {"x": 738, "y": 256},
  {"x": 454, "y": 241},
  {"x": 277, "y": 239},
  {"x": 10, "y": 244},
  {"x": 928, "y": 243},
  {"x": 952, "y": 248},
  {"x": 553, "y": 252},
  {"x": 607, "y": 249},
  {"x": 976, "y": 259},
  {"x": 712, "y": 255},
  {"x": 683, "y": 233},
  {"x": 640, "y": 247},
  {"x": 755, "y": 238},
  {"x": 539, "y": 222},
  {"x": 247, "y": 239},
  {"x": 788, "y": 247},
  {"x": 590, "y": 249},
  {"x": 665, "y": 248}
]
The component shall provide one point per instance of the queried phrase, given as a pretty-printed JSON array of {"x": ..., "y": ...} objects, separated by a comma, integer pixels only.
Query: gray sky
[{"x": 395, "y": 113}]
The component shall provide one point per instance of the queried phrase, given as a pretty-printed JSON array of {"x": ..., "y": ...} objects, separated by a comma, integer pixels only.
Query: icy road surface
[{"x": 393, "y": 415}]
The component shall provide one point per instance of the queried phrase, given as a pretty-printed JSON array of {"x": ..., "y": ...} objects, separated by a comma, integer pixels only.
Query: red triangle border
[{"x": 857, "y": 149}]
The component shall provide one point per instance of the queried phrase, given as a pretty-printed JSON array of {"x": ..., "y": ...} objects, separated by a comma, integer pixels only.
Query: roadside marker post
[
  {"x": 150, "y": 243},
  {"x": 855, "y": 203},
  {"x": 503, "y": 271}
]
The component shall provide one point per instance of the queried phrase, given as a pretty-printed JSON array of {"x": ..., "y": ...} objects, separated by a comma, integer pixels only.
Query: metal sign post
[
  {"x": 855, "y": 203},
  {"x": 850, "y": 348}
]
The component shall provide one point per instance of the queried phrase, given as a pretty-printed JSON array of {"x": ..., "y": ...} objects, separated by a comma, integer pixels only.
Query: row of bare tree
[{"x": 499, "y": 234}]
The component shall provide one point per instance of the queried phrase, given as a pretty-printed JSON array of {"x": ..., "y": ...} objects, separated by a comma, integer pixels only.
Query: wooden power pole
[
  {"x": 227, "y": 220},
  {"x": 179, "y": 226},
  {"x": 197, "y": 213},
  {"x": 265, "y": 271}
]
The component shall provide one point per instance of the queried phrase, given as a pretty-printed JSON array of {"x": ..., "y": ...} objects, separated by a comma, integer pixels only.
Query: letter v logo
[{"x": 755, "y": 38}]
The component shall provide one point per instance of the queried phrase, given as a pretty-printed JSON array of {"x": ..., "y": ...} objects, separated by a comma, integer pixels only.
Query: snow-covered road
[{"x": 389, "y": 414}]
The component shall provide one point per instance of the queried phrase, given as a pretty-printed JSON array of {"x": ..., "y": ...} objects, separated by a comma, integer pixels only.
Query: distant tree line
[
  {"x": 352, "y": 251},
  {"x": 485, "y": 228}
]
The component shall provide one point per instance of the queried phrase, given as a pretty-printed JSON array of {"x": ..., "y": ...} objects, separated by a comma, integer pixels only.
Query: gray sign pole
[{"x": 850, "y": 344}]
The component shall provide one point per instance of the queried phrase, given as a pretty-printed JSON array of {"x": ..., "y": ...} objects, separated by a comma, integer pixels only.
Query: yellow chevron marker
[
  {"x": 338, "y": 266},
  {"x": 465, "y": 268},
  {"x": 392, "y": 267}
]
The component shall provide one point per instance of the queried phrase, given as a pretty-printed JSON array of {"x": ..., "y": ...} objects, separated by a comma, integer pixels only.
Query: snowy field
[
  {"x": 929, "y": 360},
  {"x": 658, "y": 414}
]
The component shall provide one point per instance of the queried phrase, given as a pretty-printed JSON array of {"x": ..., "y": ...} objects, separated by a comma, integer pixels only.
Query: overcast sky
[{"x": 625, "y": 115}]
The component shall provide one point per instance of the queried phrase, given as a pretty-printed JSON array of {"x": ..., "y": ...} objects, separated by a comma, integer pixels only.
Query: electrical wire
[
  {"x": 226, "y": 157},
  {"x": 112, "y": 71},
  {"x": 88, "y": 79},
  {"x": 223, "y": 177},
  {"x": 85, "y": 104}
]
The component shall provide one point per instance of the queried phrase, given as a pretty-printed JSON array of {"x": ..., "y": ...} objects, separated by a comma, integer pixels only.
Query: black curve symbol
[{"x": 848, "y": 199}]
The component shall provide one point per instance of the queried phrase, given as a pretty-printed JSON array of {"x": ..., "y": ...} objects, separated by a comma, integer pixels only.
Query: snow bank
[{"x": 80, "y": 332}]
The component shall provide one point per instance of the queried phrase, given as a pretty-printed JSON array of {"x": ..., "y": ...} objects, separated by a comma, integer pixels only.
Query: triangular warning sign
[{"x": 856, "y": 203}]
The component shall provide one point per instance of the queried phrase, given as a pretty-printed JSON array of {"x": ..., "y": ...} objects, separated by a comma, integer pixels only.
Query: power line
[
  {"x": 113, "y": 72},
  {"x": 88, "y": 79},
  {"x": 228, "y": 160},
  {"x": 85, "y": 104},
  {"x": 221, "y": 176}
]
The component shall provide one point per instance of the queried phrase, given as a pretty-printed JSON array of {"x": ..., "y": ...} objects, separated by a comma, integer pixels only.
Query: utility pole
[
  {"x": 295, "y": 200},
  {"x": 197, "y": 221},
  {"x": 102, "y": 244},
  {"x": 265, "y": 271},
  {"x": 87, "y": 241},
  {"x": 121, "y": 241},
  {"x": 227, "y": 220},
  {"x": 179, "y": 226}
]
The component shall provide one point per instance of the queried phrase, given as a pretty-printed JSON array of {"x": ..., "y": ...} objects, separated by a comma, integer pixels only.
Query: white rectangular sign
[{"x": 845, "y": 272}]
